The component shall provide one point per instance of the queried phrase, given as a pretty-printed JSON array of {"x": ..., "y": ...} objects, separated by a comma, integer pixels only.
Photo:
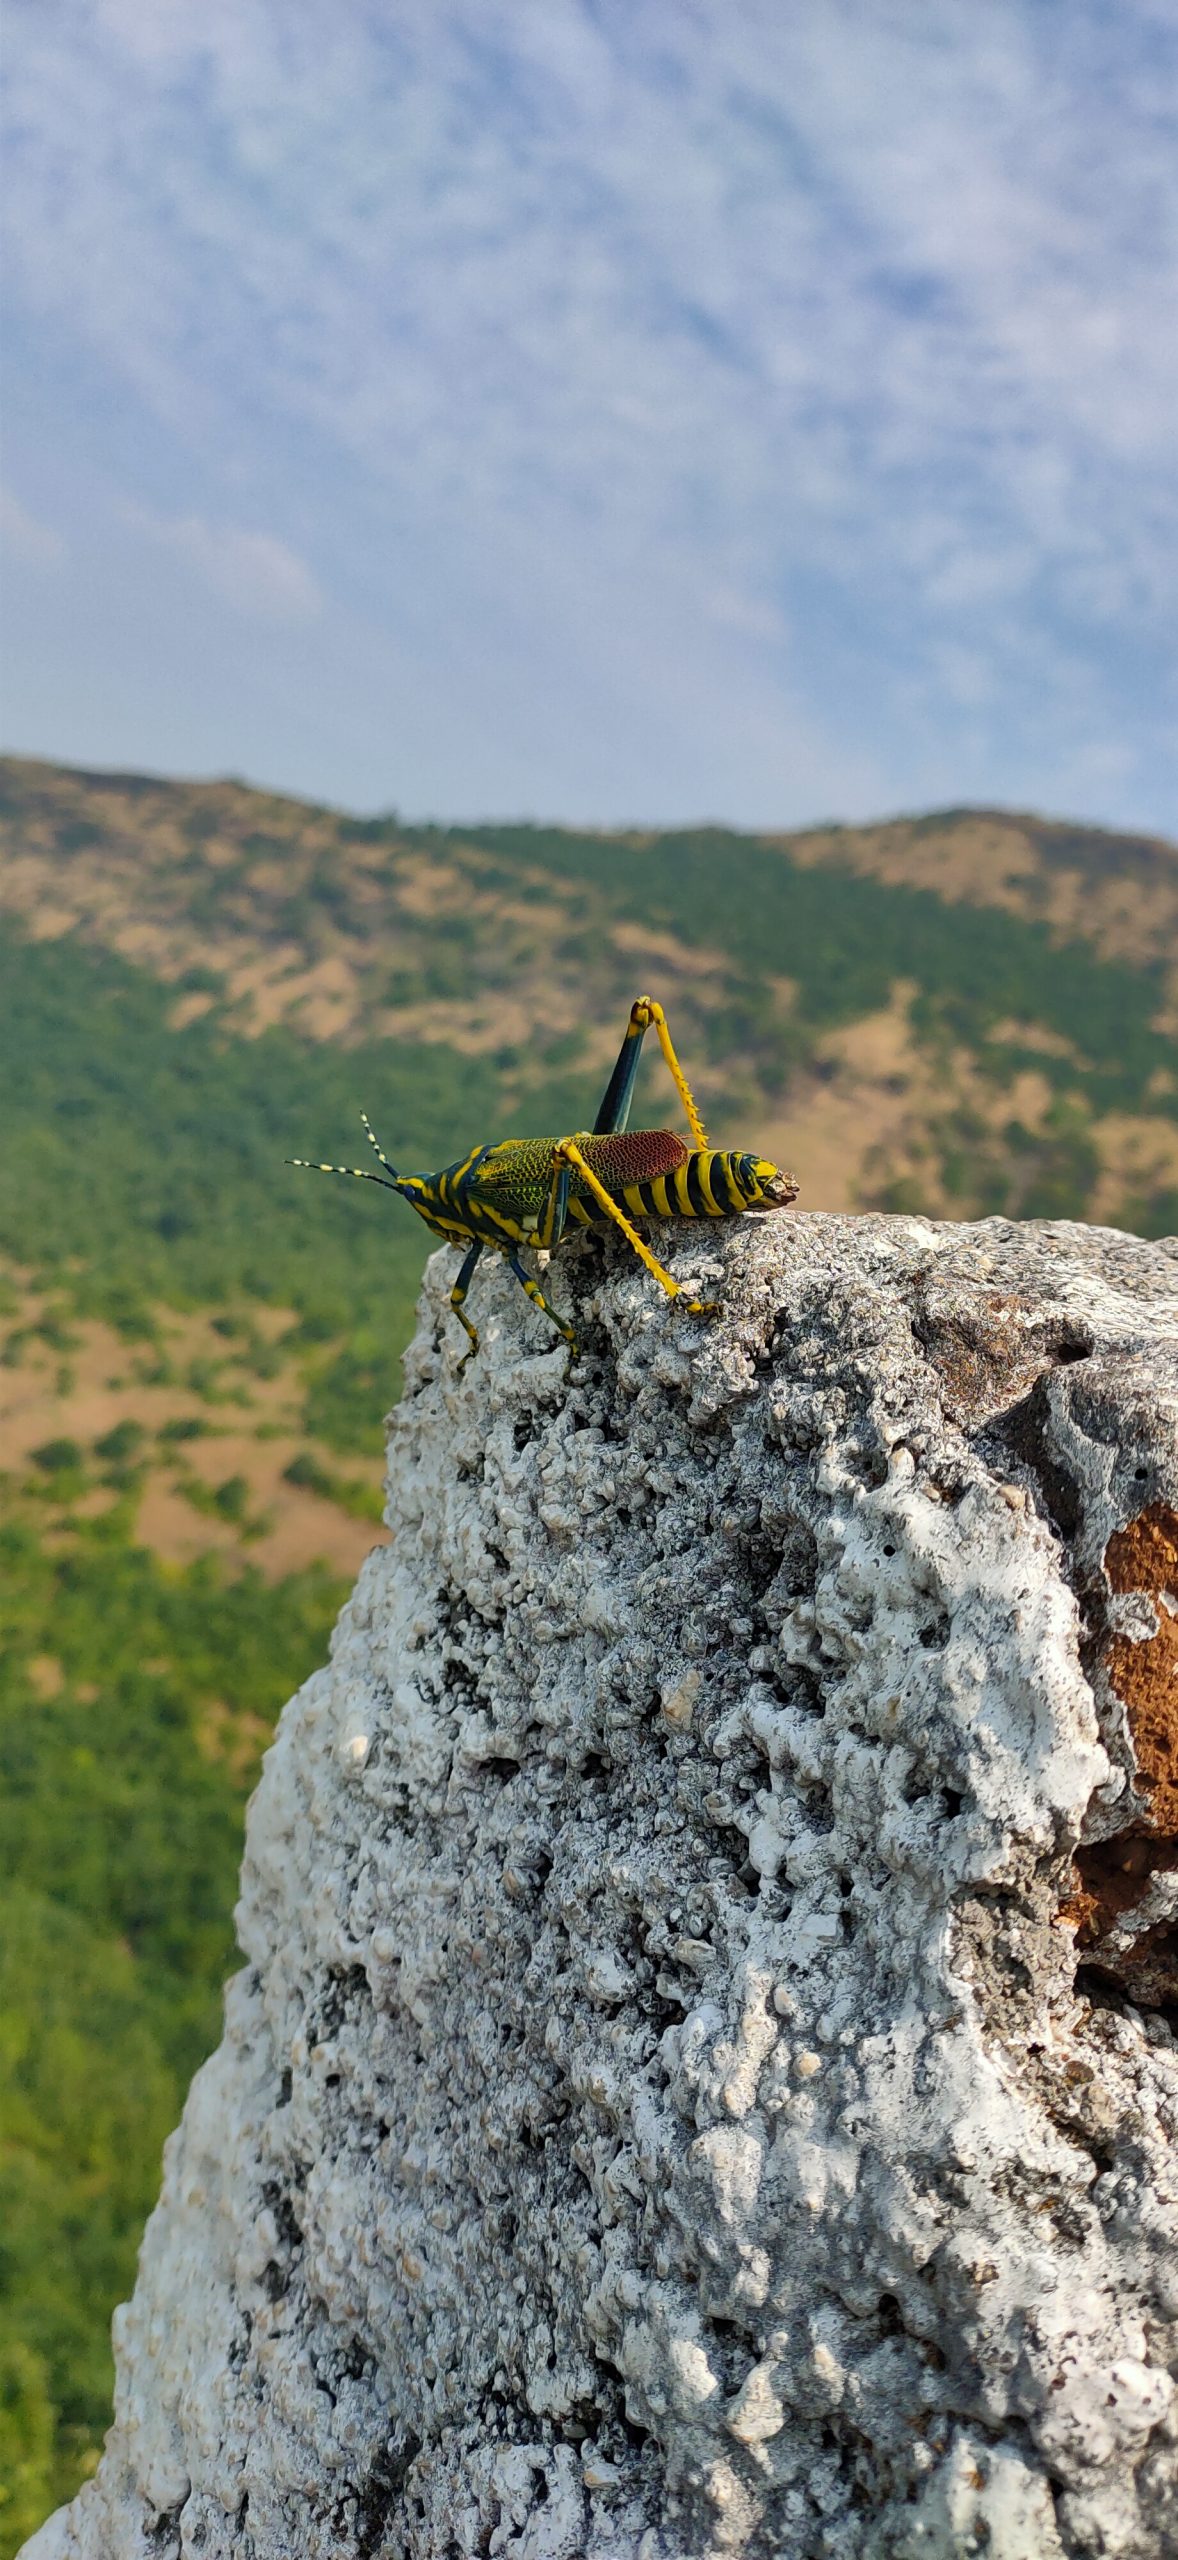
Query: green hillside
[{"x": 119, "y": 1846}]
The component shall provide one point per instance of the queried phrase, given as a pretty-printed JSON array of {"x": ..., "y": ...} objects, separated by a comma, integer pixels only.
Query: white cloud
[
  {"x": 656, "y": 338},
  {"x": 255, "y": 573}
]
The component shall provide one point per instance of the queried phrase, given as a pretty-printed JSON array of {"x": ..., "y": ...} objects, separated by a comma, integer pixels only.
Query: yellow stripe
[
  {"x": 466, "y": 1164},
  {"x": 660, "y": 1205},
  {"x": 578, "y": 1210},
  {"x": 682, "y": 1194},
  {"x": 703, "y": 1166},
  {"x": 632, "y": 1195}
]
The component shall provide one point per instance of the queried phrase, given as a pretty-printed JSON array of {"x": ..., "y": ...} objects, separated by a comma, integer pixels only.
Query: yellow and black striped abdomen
[
  {"x": 705, "y": 1185},
  {"x": 700, "y": 1183}
]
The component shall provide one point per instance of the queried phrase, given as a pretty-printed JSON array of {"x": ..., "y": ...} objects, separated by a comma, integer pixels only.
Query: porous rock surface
[{"x": 702, "y": 2081}]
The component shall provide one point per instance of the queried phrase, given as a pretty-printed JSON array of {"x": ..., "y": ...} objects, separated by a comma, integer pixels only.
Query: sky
[{"x": 601, "y": 410}]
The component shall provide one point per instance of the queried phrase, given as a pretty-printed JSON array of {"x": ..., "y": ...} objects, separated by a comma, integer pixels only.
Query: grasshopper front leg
[{"x": 458, "y": 1302}]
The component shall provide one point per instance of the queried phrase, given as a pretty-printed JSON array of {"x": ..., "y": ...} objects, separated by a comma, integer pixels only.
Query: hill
[
  {"x": 972, "y": 1009},
  {"x": 959, "y": 1013}
]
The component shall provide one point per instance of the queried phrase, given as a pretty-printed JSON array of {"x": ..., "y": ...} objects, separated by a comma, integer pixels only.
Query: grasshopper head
[{"x": 763, "y": 1185}]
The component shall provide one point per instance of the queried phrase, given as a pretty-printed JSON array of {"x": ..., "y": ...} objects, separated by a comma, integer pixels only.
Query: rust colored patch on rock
[
  {"x": 1144, "y": 1557},
  {"x": 1112, "y": 1877}
]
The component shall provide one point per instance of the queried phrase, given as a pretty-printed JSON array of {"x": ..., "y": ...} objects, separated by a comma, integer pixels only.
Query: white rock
[{"x": 658, "y": 2116}]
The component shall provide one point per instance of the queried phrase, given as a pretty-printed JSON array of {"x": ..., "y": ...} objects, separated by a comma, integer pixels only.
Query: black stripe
[
  {"x": 461, "y": 1194},
  {"x": 695, "y": 1190},
  {"x": 731, "y": 1185}
]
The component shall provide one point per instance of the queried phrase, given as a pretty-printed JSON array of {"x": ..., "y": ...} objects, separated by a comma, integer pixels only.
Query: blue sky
[{"x": 598, "y": 409}]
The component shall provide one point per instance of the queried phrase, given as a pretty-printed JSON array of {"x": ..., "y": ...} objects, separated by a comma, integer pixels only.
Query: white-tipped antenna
[
  {"x": 389, "y": 1168},
  {"x": 358, "y": 1172}
]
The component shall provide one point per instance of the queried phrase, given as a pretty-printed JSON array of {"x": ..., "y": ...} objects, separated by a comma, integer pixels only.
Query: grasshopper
[{"x": 533, "y": 1191}]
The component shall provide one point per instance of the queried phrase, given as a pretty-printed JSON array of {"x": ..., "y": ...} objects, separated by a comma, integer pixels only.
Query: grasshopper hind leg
[{"x": 614, "y": 1111}]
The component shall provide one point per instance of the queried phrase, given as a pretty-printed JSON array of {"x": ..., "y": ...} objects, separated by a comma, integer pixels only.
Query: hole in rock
[
  {"x": 289, "y": 2228},
  {"x": 498, "y": 1766},
  {"x": 166, "y": 2528},
  {"x": 347, "y": 1989},
  {"x": 1067, "y": 1347},
  {"x": 1111, "y": 1878},
  {"x": 1092, "y": 1983},
  {"x": 379, "y": 2495}
]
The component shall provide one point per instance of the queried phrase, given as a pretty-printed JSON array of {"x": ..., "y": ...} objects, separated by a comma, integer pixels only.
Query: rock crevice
[{"x": 704, "y": 2079}]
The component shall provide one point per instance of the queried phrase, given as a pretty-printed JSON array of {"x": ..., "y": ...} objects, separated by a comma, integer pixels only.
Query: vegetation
[
  {"x": 122, "y": 1779},
  {"x": 848, "y": 940},
  {"x": 143, "y": 1163}
]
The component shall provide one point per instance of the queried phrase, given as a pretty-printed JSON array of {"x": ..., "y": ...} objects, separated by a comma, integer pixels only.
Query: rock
[{"x": 703, "y": 2079}]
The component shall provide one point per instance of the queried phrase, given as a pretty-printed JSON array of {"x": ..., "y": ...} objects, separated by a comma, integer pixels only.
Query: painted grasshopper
[{"x": 532, "y": 1191}]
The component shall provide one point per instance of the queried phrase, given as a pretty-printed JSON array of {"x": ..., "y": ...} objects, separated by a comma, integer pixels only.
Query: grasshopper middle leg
[
  {"x": 538, "y": 1299},
  {"x": 569, "y": 1153}
]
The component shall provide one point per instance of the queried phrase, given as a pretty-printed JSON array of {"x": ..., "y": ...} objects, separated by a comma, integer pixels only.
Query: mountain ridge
[{"x": 876, "y": 997}]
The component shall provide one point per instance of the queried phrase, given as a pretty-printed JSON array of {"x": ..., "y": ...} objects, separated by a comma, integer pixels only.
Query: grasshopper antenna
[
  {"x": 368, "y": 1131},
  {"x": 359, "y": 1173}
]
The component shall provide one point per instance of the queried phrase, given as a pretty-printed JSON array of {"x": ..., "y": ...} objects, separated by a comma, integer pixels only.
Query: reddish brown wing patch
[{"x": 634, "y": 1155}]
